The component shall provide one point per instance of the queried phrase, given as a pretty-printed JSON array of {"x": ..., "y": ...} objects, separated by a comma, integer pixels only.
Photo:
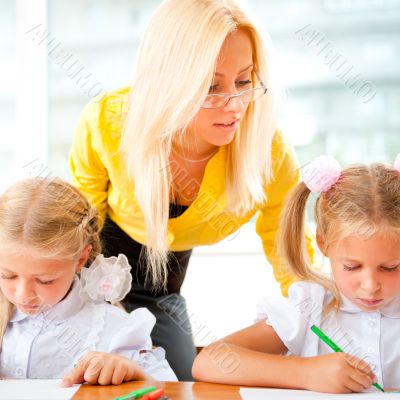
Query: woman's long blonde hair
[
  {"x": 48, "y": 217},
  {"x": 175, "y": 68},
  {"x": 365, "y": 201}
]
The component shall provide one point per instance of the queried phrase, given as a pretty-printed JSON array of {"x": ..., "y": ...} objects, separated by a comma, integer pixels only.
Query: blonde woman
[{"x": 186, "y": 155}]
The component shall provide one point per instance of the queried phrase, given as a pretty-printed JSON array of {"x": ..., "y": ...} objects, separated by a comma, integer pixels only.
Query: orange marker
[{"x": 153, "y": 395}]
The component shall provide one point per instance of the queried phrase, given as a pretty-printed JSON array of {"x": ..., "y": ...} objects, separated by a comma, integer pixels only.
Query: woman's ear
[
  {"x": 321, "y": 243},
  {"x": 83, "y": 257}
]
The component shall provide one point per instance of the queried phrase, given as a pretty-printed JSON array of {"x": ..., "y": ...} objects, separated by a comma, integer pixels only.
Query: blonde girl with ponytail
[
  {"x": 186, "y": 155},
  {"x": 53, "y": 287},
  {"x": 357, "y": 305}
]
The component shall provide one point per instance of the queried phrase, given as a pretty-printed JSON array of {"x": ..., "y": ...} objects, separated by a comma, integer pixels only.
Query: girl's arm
[
  {"x": 104, "y": 369},
  {"x": 253, "y": 356}
]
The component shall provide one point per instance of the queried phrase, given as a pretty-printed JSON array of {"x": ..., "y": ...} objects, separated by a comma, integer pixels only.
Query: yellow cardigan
[{"x": 98, "y": 171}]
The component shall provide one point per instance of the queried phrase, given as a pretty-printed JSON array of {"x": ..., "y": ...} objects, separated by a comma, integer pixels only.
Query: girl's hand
[
  {"x": 337, "y": 373},
  {"x": 104, "y": 369}
]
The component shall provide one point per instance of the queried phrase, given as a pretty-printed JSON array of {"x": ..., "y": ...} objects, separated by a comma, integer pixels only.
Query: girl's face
[
  {"x": 33, "y": 283},
  {"x": 216, "y": 127},
  {"x": 367, "y": 271}
]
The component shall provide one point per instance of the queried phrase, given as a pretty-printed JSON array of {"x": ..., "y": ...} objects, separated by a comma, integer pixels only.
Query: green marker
[
  {"x": 136, "y": 393},
  {"x": 334, "y": 347}
]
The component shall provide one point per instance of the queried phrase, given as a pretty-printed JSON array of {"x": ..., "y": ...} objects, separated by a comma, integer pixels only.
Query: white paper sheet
[
  {"x": 283, "y": 394},
  {"x": 35, "y": 389}
]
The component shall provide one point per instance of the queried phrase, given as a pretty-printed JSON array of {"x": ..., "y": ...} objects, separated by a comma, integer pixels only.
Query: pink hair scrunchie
[
  {"x": 321, "y": 174},
  {"x": 397, "y": 163}
]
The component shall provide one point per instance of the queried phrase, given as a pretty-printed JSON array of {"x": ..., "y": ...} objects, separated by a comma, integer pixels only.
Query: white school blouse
[
  {"x": 48, "y": 345},
  {"x": 371, "y": 336}
]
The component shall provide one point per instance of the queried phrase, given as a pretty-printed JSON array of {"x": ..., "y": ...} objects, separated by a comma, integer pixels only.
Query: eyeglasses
[{"x": 219, "y": 100}]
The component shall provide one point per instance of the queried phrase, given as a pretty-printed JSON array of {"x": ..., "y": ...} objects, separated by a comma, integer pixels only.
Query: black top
[
  {"x": 116, "y": 241},
  {"x": 175, "y": 210}
]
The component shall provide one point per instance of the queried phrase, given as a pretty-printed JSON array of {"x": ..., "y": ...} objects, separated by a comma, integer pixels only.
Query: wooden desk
[{"x": 174, "y": 390}]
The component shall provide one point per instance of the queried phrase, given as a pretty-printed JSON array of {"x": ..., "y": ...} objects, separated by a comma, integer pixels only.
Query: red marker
[{"x": 153, "y": 395}]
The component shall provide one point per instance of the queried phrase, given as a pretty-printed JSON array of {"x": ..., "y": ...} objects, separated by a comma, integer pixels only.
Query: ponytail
[
  {"x": 292, "y": 246},
  {"x": 291, "y": 242}
]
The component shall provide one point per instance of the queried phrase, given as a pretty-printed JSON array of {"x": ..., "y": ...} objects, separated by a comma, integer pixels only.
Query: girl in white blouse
[
  {"x": 52, "y": 323},
  {"x": 358, "y": 228}
]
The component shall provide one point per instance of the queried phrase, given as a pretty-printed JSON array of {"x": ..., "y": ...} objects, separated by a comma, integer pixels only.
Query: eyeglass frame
[{"x": 229, "y": 96}]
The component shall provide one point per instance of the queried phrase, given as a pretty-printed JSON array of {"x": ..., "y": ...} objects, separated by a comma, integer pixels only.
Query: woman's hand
[
  {"x": 337, "y": 373},
  {"x": 103, "y": 369}
]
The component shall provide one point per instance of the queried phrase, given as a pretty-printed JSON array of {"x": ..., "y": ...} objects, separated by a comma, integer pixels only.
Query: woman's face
[{"x": 216, "y": 127}]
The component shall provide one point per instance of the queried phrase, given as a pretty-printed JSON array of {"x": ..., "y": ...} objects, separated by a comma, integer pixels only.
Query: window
[{"x": 7, "y": 87}]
